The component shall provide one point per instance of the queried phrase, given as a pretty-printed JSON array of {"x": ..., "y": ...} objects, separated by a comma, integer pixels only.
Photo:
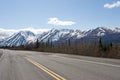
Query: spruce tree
[
  {"x": 69, "y": 42},
  {"x": 37, "y": 43},
  {"x": 100, "y": 43}
]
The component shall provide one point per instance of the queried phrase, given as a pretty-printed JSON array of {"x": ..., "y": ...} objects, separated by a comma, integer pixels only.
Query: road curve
[{"x": 30, "y": 65}]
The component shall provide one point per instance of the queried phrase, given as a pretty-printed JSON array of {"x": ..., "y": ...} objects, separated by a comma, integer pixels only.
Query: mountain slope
[
  {"x": 108, "y": 35},
  {"x": 20, "y": 38},
  {"x": 60, "y": 34}
]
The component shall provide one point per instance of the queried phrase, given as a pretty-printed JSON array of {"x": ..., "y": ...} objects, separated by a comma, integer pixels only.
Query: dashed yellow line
[{"x": 53, "y": 74}]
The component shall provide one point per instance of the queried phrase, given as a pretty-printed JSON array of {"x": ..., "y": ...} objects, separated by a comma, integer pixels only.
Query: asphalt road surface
[{"x": 30, "y": 65}]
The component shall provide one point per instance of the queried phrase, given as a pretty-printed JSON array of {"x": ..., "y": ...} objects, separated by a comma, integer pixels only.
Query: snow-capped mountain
[
  {"x": 100, "y": 31},
  {"x": 61, "y": 35},
  {"x": 20, "y": 38},
  {"x": 108, "y": 35},
  {"x": 116, "y": 30}
]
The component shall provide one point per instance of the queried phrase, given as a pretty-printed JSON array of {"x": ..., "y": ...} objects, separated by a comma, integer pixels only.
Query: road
[{"x": 31, "y": 65}]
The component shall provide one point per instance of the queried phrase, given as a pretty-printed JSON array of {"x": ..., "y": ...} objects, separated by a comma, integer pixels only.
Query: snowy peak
[
  {"x": 100, "y": 31},
  {"x": 60, "y": 34},
  {"x": 20, "y": 38},
  {"x": 116, "y": 30},
  {"x": 26, "y": 33}
]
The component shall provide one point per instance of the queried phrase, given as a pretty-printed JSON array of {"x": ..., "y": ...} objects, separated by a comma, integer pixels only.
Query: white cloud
[
  {"x": 7, "y": 31},
  {"x": 57, "y": 22},
  {"x": 11, "y": 31},
  {"x": 113, "y": 5},
  {"x": 36, "y": 31},
  {"x": 4, "y": 33}
]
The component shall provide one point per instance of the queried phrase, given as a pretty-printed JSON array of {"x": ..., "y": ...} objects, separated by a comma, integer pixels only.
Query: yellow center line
[{"x": 48, "y": 71}]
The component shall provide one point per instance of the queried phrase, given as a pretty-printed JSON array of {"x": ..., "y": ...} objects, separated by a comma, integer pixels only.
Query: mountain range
[{"x": 59, "y": 35}]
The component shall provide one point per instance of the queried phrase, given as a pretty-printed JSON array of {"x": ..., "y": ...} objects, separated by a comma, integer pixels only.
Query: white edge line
[{"x": 107, "y": 64}]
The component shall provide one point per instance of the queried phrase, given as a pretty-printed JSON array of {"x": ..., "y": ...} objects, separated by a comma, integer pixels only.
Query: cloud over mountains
[{"x": 55, "y": 21}]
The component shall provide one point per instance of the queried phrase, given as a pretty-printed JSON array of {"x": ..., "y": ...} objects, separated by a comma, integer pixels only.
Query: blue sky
[{"x": 73, "y": 14}]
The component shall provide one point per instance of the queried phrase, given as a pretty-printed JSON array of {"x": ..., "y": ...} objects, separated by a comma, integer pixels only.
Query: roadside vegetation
[
  {"x": 1, "y": 52},
  {"x": 99, "y": 49}
]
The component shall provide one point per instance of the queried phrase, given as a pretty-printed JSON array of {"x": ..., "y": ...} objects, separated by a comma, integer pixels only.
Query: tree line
[{"x": 95, "y": 49}]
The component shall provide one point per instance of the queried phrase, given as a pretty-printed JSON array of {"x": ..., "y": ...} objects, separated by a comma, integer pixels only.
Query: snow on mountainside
[
  {"x": 100, "y": 31},
  {"x": 60, "y": 34},
  {"x": 26, "y": 37},
  {"x": 116, "y": 30},
  {"x": 20, "y": 38}
]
